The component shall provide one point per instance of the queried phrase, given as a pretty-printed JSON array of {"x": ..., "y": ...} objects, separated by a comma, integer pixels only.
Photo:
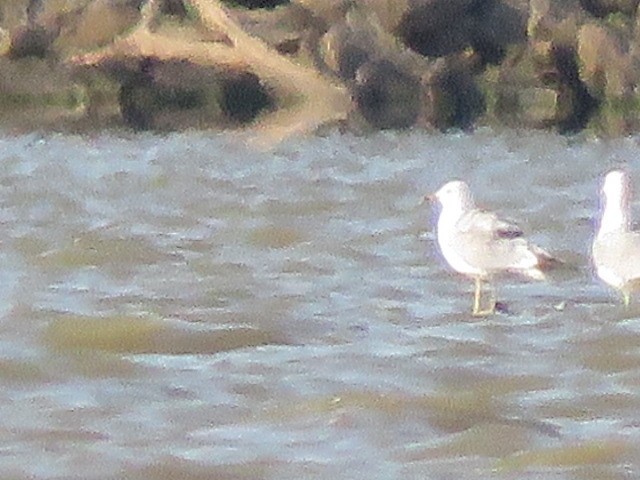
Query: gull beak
[{"x": 429, "y": 198}]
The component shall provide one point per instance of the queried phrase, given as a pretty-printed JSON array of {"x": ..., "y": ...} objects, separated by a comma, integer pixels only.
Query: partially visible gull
[
  {"x": 478, "y": 244},
  {"x": 616, "y": 248}
]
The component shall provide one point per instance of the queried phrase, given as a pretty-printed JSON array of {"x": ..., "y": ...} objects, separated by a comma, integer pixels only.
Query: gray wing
[
  {"x": 491, "y": 243},
  {"x": 481, "y": 221}
]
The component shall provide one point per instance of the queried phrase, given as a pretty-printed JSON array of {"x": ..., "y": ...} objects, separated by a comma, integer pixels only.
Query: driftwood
[{"x": 306, "y": 99}]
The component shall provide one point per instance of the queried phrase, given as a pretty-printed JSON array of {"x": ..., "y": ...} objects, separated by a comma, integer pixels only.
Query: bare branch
[{"x": 308, "y": 99}]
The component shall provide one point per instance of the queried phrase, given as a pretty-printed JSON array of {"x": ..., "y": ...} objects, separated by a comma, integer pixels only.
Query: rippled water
[{"x": 185, "y": 307}]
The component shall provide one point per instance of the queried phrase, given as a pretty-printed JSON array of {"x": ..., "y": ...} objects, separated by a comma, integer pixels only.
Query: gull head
[
  {"x": 455, "y": 195},
  {"x": 615, "y": 196}
]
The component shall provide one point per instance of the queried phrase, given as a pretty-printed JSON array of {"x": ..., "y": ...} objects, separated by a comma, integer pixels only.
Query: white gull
[
  {"x": 480, "y": 245},
  {"x": 616, "y": 248}
]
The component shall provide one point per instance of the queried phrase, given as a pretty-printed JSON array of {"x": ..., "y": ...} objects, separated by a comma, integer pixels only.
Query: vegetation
[{"x": 280, "y": 68}]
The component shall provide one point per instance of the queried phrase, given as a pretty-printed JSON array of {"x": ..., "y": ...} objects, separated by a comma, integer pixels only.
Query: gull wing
[
  {"x": 482, "y": 222},
  {"x": 491, "y": 244}
]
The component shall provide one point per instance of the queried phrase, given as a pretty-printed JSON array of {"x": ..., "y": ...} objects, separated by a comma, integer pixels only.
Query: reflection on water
[{"x": 183, "y": 307}]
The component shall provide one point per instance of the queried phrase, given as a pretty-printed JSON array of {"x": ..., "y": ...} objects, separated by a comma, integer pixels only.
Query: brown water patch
[
  {"x": 229, "y": 210},
  {"x": 396, "y": 294},
  {"x": 507, "y": 384},
  {"x": 611, "y": 362},
  {"x": 226, "y": 295},
  {"x": 97, "y": 364},
  {"x": 611, "y": 404},
  {"x": 460, "y": 302},
  {"x": 60, "y": 435},
  {"x": 618, "y": 340},
  {"x": 601, "y": 472},
  {"x": 487, "y": 383},
  {"x": 590, "y": 407},
  {"x": 20, "y": 371},
  {"x": 275, "y": 237},
  {"x": 30, "y": 247},
  {"x": 453, "y": 412},
  {"x": 121, "y": 334},
  {"x": 209, "y": 265},
  {"x": 487, "y": 440},
  {"x": 399, "y": 316},
  {"x": 469, "y": 349},
  {"x": 611, "y": 353},
  {"x": 587, "y": 453},
  {"x": 565, "y": 409},
  {"x": 300, "y": 208},
  {"x": 149, "y": 334},
  {"x": 456, "y": 411},
  {"x": 305, "y": 267},
  {"x": 173, "y": 468},
  {"x": 180, "y": 342},
  {"x": 93, "y": 249}
]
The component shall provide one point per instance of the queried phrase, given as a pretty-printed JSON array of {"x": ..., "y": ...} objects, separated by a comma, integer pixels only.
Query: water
[{"x": 185, "y": 307}]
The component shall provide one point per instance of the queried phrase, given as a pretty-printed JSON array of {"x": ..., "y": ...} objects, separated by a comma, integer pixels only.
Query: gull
[
  {"x": 480, "y": 245},
  {"x": 616, "y": 248}
]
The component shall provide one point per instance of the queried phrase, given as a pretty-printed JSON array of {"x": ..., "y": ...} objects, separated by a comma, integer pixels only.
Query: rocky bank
[{"x": 279, "y": 67}]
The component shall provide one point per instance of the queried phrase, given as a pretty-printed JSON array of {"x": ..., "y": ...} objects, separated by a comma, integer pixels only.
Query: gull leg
[
  {"x": 477, "y": 311},
  {"x": 476, "y": 298},
  {"x": 626, "y": 298},
  {"x": 491, "y": 309},
  {"x": 492, "y": 305}
]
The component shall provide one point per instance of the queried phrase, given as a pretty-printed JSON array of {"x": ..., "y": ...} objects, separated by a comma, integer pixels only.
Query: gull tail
[
  {"x": 545, "y": 259},
  {"x": 546, "y": 262}
]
